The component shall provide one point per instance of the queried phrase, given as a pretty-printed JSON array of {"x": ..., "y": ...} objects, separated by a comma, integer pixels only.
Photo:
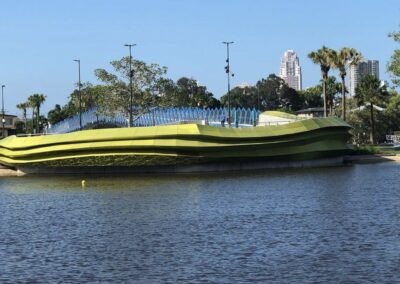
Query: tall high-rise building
[
  {"x": 290, "y": 70},
  {"x": 358, "y": 71}
]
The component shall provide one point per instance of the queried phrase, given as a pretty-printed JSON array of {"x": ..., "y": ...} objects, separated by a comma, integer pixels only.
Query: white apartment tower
[
  {"x": 358, "y": 71},
  {"x": 290, "y": 70}
]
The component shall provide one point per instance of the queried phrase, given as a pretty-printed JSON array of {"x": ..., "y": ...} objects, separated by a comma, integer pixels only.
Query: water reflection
[{"x": 319, "y": 225}]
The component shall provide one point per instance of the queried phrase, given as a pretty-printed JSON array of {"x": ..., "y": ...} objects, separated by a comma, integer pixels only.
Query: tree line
[{"x": 152, "y": 89}]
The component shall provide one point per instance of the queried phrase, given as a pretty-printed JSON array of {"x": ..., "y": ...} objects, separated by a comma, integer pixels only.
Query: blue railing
[{"x": 240, "y": 117}]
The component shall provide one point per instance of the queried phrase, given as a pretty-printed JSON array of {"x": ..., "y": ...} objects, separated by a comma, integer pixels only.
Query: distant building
[
  {"x": 290, "y": 70},
  {"x": 311, "y": 112},
  {"x": 358, "y": 71},
  {"x": 243, "y": 85},
  {"x": 9, "y": 125}
]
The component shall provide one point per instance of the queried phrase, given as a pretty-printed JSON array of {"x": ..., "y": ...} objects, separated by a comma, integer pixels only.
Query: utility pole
[
  {"x": 130, "y": 84},
  {"x": 228, "y": 72},
  {"x": 79, "y": 92},
  {"x": 3, "y": 120}
]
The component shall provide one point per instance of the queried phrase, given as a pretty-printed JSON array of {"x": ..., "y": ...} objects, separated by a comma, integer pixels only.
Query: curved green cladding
[{"x": 178, "y": 145}]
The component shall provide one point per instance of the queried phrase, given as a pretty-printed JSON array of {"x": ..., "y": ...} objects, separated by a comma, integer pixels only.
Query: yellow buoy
[{"x": 83, "y": 183}]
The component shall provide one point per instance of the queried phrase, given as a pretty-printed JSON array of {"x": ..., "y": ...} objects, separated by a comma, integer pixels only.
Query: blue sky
[{"x": 40, "y": 39}]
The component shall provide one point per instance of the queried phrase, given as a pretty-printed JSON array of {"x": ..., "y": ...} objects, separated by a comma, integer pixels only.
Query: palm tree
[
  {"x": 35, "y": 101},
  {"x": 23, "y": 107},
  {"x": 324, "y": 57},
  {"x": 332, "y": 88},
  {"x": 371, "y": 92},
  {"x": 31, "y": 105},
  {"x": 345, "y": 58}
]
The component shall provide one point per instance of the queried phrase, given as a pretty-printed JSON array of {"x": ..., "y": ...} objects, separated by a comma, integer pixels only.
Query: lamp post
[
  {"x": 2, "y": 109},
  {"x": 130, "y": 83},
  {"x": 228, "y": 72},
  {"x": 79, "y": 92}
]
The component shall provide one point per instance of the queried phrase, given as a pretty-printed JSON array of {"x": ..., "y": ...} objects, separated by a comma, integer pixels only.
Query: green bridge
[{"x": 149, "y": 148}]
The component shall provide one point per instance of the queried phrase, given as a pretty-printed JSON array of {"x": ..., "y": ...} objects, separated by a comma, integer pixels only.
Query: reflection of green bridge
[{"x": 182, "y": 147}]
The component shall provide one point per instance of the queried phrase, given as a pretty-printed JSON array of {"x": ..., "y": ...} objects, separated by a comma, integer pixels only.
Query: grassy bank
[{"x": 375, "y": 150}]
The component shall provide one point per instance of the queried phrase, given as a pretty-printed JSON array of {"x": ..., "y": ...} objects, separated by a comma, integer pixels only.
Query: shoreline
[
  {"x": 372, "y": 158},
  {"x": 350, "y": 159},
  {"x": 4, "y": 172}
]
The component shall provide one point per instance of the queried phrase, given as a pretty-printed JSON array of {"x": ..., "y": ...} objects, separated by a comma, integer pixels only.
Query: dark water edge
[{"x": 328, "y": 225}]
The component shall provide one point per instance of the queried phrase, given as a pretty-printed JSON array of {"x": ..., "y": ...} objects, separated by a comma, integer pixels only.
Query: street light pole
[
  {"x": 2, "y": 109},
  {"x": 79, "y": 92},
  {"x": 228, "y": 72},
  {"x": 130, "y": 84}
]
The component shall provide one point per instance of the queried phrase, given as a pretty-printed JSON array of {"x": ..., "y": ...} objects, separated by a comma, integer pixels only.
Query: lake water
[{"x": 326, "y": 225}]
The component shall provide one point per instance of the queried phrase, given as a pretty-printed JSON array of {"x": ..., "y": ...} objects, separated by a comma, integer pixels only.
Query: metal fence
[{"x": 240, "y": 117}]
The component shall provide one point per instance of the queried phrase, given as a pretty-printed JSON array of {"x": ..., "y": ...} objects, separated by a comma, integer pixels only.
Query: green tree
[
  {"x": 325, "y": 58},
  {"x": 289, "y": 98},
  {"x": 23, "y": 106},
  {"x": 245, "y": 97},
  {"x": 91, "y": 96},
  {"x": 55, "y": 115},
  {"x": 342, "y": 61},
  {"x": 311, "y": 97},
  {"x": 169, "y": 95},
  {"x": 35, "y": 101},
  {"x": 371, "y": 92},
  {"x": 88, "y": 97},
  {"x": 185, "y": 92},
  {"x": 393, "y": 66},
  {"x": 272, "y": 93},
  {"x": 269, "y": 92},
  {"x": 187, "y": 89},
  {"x": 145, "y": 79},
  {"x": 332, "y": 89},
  {"x": 393, "y": 112},
  {"x": 19, "y": 127},
  {"x": 360, "y": 121},
  {"x": 194, "y": 94},
  {"x": 31, "y": 124}
]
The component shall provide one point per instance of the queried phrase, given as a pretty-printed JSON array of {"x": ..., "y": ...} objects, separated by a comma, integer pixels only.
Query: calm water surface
[{"x": 330, "y": 225}]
